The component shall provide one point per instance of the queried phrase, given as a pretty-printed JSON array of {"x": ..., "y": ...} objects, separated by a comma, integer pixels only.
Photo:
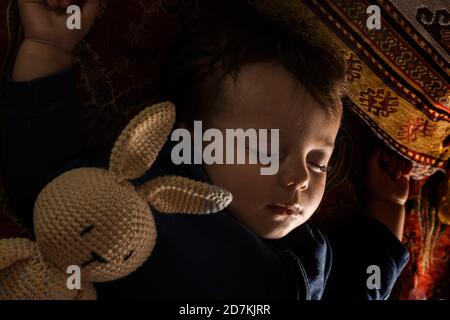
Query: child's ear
[
  {"x": 140, "y": 142},
  {"x": 14, "y": 250},
  {"x": 173, "y": 194}
]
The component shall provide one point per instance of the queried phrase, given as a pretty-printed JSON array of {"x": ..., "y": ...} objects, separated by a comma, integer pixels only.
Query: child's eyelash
[{"x": 322, "y": 168}]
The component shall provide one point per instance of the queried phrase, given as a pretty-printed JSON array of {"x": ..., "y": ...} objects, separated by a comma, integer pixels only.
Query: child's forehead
[
  {"x": 263, "y": 81},
  {"x": 268, "y": 97},
  {"x": 308, "y": 126},
  {"x": 268, "y": 94},
  {"x": 262, "y": 87}
]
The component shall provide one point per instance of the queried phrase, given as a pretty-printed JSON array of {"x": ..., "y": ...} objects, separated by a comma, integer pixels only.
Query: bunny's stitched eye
[
  {"x": 128, "y": 256},
  {"x": 87, "y": 230}
]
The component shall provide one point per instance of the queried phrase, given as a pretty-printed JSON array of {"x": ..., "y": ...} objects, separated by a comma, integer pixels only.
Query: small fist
[
  {"x": 388, "y": 176},
  {"x": 45, "y": 21}
]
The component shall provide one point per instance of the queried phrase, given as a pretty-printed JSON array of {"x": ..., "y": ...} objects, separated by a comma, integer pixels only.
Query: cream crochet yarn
[{"x": 97, "y": 220}]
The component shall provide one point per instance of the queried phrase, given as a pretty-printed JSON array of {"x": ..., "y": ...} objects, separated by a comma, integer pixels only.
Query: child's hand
[
  {"x": 45, "y": 22},
  {"x": 48, "y": 44},
  {"x": 387, "y": 187},
  {"x": 388, "y": 177}
]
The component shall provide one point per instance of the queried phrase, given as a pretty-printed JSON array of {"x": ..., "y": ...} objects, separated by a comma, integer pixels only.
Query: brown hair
[{"x": 235, "y": 35}]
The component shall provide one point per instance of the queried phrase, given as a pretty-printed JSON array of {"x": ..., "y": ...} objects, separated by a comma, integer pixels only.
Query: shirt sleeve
[
  {"x": 41, "y": 137},
  {"x": 367, "y": 260}
]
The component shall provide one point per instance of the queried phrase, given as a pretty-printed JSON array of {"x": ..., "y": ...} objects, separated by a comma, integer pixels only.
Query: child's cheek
[
  {"x": 315, "y": 193},
  {"x": 244, "y": 181}
]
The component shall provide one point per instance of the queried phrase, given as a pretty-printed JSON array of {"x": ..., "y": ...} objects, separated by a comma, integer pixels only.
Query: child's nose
[{"x": 294, "y": 177}]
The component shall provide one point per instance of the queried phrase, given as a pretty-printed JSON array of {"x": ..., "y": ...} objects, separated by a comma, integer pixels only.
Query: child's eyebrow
[
  {"x": 329, "y": 144},
  {"x": 326, "y": 142}
]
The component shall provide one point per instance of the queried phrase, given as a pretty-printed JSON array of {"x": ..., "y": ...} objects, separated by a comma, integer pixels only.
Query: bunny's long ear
[
  {"x": 15, "y": 249},
  {"x": 173, "y": 194},
  {"x": 140, "y": 142}
]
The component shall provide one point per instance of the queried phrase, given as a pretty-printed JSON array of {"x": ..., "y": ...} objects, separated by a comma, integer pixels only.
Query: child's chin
[{"x": 275, "y": 232}]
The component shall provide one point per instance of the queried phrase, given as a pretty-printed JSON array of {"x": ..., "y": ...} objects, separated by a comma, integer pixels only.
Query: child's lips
[{"x": 282, "y": 209}]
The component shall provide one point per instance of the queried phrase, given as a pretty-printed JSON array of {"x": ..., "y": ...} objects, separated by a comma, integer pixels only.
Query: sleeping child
[{"x": 234, "y": 69}]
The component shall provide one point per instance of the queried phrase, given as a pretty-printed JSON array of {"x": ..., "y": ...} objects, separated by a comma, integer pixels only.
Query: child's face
[{"x": 266, "y": 96}]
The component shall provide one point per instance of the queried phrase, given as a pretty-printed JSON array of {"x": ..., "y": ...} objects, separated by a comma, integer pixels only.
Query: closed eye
[
  {"x": 320, "y": 168},
  {"x": 86, "y": 230}
]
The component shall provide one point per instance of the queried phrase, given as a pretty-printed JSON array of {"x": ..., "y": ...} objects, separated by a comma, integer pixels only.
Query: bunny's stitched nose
[{"x": 95, "y": 258}]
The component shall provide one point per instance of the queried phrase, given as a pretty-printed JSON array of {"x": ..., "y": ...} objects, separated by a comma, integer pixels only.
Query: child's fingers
[
  {"x": 373, "y": 163},
  {"x": 391, "y": 165},
  {"x": 60, "y": 4},
  {"x": 89, "y": 12},
  {"x": 54, "y": 4},
  {"x": 63, "y": 4},
  {"x": 385, "y": 155},
  {"x": 398, "y": 171},
  {"x": 407, "y": 169}
]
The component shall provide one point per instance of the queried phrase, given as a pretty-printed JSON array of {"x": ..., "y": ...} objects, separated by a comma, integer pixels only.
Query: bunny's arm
[
  {"x": 16, "y": 249},
  {"x": 87, "y": 292}
]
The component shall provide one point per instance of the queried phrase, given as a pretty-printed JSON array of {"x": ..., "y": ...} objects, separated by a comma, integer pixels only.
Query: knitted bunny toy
[{"x": 97, "y": 220}]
